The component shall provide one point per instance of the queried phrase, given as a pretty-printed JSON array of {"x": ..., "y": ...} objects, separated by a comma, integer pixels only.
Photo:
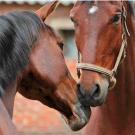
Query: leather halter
[{"x": 122, "y": 54}]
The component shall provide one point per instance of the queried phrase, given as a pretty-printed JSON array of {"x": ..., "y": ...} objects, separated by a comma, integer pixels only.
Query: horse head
[
  {"x": 47, "y": 78},
  {"x": 96, "y": 25}
]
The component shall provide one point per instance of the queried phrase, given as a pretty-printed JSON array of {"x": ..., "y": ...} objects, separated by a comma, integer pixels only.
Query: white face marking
[{"x": 93, "y": 9}]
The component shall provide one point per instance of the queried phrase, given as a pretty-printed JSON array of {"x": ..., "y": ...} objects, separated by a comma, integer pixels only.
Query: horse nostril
[
  {"x": 95, "y": 92},
  {"x": 80, "y": 90},
  {"x": 78, "y": 85}
]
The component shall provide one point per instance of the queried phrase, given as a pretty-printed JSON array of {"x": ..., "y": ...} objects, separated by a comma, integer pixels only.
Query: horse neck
[
  {"x": 6, "y": 125},
  {"x": 9, "y": 97}
]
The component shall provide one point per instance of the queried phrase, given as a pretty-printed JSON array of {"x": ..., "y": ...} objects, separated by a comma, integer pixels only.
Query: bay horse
[
  {"x": 44, "y": 76},
  {"x": 102, "y": 28}
]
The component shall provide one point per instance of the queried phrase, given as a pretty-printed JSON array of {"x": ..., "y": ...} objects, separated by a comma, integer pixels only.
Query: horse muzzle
[
  {"x": 96, "y": 96},
  {"x": 80, "y": 117}
]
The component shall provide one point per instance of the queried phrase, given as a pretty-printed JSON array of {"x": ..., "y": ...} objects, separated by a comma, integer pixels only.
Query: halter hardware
[{"x": 121, "y": 56}]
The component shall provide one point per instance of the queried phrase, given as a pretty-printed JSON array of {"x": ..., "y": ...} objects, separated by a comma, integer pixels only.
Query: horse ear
[{"x": 46, "y": 10}]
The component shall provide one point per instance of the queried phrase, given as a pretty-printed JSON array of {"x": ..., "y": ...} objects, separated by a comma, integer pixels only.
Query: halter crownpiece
[{"x": 122, "y": 54}]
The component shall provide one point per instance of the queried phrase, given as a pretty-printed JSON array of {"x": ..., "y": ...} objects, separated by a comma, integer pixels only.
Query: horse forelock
[{"x": 18, "y": 33}]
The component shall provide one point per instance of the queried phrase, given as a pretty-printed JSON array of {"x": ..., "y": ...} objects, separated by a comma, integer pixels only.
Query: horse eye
[
  {"x": 61, "y": 45},
  {"x": 73, "y": 20},
  {"x": 115, "y": 19}
]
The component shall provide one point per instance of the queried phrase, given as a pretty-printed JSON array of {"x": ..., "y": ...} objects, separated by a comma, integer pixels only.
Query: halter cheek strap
[
  {"x": 109, "y": 73},
  {"x": 122, "y": 54}
]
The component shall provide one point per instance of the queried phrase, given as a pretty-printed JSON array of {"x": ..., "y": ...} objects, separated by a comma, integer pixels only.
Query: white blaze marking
[{"x": 93, "y": 9}]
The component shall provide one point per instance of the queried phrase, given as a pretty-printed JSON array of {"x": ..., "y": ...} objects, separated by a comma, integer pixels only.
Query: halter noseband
[{"x": 122, "y": 54}]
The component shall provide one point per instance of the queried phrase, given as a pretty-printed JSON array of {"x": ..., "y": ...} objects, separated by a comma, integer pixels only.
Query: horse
[
  {"x": 45, "y": 77},
  {"x": 104, "y": 34}
]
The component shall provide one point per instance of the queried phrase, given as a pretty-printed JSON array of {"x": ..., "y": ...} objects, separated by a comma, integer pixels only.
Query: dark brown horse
[
  {"x": 99, "y": 26},
  {"x": 45, "y": 78}
]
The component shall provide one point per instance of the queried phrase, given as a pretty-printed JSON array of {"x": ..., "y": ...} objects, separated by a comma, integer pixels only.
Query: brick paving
[{"x": 33, "y": 118}]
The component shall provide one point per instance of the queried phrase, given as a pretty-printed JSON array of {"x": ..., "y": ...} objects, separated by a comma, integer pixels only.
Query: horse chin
[{"x": 79, "y": 118}]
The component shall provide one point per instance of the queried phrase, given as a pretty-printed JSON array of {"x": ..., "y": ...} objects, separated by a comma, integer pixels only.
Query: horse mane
[
  {"x": 131, "y": 5},
  {"x": 18, "y": 33}
]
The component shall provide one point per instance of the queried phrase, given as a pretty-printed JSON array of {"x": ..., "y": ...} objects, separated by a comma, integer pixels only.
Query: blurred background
[{"x": 31, "y": 117}]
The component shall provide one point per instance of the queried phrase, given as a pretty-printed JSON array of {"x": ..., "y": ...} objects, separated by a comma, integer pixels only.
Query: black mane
[{"x": 18, "y": 33}]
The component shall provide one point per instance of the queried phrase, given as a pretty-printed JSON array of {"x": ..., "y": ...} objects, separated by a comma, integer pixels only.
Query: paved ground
[{"x": 32, "y": 118}]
